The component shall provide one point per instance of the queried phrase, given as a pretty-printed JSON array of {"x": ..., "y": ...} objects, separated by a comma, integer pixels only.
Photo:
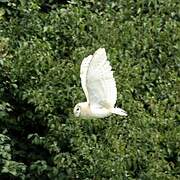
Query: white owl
[{"x": 99, "y": 87}]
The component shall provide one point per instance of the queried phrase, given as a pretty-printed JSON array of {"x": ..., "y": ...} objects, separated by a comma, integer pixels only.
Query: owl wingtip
[{"x": 101, "y": 49}]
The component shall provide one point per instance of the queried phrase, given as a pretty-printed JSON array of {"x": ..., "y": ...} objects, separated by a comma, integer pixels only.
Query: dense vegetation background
[{"x": 42, "y": 44}]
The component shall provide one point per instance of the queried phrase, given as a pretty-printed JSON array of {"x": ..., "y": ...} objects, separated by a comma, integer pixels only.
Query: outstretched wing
[
  {"x": 83, "y": 74},
  {"x": 100, "y": 85}
]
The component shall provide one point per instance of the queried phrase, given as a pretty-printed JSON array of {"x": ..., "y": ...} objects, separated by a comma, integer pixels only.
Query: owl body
[
  {"x": 87, "y": 111},
  {"x": 99, "y": 87}
]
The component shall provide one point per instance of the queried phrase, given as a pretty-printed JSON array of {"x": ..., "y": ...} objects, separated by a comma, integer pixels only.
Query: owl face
[{"x": 77, "y": 110}]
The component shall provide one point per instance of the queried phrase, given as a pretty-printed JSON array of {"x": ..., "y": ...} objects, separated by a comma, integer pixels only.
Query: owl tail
[{"x": 119, "y": 111}]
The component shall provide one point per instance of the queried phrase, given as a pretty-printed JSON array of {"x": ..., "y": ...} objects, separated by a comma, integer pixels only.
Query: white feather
[
  {"x": 100, "y": 84},
  {"x": 83, "y": 74},
  {"x": 119, "y": 111}
]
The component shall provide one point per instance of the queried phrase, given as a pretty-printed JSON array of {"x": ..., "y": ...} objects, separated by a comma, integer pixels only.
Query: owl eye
[{"x": 78, "y": 109}]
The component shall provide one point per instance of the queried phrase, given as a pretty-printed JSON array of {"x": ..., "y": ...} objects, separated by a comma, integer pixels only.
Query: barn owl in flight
[{"x": 99, "y": 87}]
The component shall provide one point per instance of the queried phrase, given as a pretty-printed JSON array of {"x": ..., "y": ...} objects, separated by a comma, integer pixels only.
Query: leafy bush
[{"x": 42, "y": 44}]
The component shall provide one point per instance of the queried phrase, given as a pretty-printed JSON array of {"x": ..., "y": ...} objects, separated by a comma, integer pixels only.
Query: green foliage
[
  {"x": 8, "y": 166},
  {"x": 42, "y": 44}
]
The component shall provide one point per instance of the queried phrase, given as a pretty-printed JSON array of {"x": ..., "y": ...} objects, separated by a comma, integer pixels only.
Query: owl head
[
  {"x": 77, "y": 110},
  {"x": 82, "y": 109}
]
